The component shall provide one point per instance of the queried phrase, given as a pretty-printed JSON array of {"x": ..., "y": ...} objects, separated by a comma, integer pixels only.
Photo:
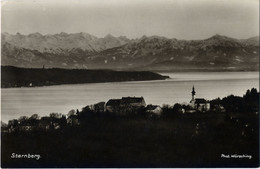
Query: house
[
  {"x": 199, "y": 104},
  {"x": 131, "y": 105},
  {"x": 47, "y": 123},
  {"x": 218, "y": 108},
  {"x": 125, "y": 106},
  {"x": 153, "y": 110},
  {"x": 29, "y": 124},
  {"x": 202, "y": 105},
  {"x": 133, "y": 101}
]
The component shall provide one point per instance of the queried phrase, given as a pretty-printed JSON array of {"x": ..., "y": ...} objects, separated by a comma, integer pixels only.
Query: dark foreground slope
[
  {"x": 136, "y": 142},
  {"x": 25, "y": 77}
]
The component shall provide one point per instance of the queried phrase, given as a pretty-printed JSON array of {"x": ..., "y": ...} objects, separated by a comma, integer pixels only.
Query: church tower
[
  {"x": 192, "y": 102},
  {"x": 193, "y": 93}
]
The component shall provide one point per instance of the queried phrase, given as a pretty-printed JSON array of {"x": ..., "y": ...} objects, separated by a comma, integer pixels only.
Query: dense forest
[
  {"x": 143, "y": 139},
  {"x": 26, "y": 77}
]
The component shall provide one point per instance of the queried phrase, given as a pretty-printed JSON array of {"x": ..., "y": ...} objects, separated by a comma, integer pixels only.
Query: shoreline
[{"x": 13, "y": 77}]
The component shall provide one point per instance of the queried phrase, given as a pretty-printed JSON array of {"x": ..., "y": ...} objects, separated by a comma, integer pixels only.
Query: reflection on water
[{"x": 44, "y": 100}]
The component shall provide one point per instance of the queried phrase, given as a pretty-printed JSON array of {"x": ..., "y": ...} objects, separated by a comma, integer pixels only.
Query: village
[
  {"x": 124, "y": 107},
  {"x": 126, "y": 128}
]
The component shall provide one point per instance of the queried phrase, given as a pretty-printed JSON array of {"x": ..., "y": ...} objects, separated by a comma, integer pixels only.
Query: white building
[{"x": 199, "y": 104}]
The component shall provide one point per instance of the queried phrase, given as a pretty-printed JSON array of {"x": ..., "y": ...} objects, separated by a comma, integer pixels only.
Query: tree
[
  {"x": 251, "y": 100},
  {"x": 22, "y": 119},
  {"x": 13, "y": 123},
  {"x": 247, "y": 93},
  {"x": 86, "y": 112},
  {"x": 233, "y": 104},
  {"x": 177, "y": 108},
  {"x": 35, "y": 117},
  {"x": 166, "y": 106},
  {"x": 253, "y": 91},
  {"x": 71, "y": 112},
  {"x": 55, "y": 115}
]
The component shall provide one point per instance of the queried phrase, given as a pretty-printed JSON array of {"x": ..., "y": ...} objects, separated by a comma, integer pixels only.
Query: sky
[{"x": 181, "y": 19}]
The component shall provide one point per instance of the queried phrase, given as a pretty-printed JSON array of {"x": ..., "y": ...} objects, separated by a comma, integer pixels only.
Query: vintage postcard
[{"x": 129, "y": 83}]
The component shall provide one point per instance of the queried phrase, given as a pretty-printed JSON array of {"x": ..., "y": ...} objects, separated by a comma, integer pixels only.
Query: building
[
  {"x": 56, "y": 121},
  {"x": 154, "y": 110},
  {"x": 199, "y": 104},
  {"x": 125, "y": 106},
  {"x": 202, "y": 104},
  {"x": 131, "y": 105}
]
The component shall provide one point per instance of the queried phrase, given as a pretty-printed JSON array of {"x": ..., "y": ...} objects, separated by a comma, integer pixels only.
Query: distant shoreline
[
  {"x": 203, "y": 70},
  {"x": 14, "y": 77}
]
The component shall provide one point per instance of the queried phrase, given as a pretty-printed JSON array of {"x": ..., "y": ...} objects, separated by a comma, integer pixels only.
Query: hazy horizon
[{"x": 180, "y": 19}]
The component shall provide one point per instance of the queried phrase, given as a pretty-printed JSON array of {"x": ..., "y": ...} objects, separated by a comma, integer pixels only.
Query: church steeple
[{"x": 193, "y": 93}]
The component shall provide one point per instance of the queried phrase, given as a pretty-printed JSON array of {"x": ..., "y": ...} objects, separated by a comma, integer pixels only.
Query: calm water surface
[{"x": 45, "y": 100}]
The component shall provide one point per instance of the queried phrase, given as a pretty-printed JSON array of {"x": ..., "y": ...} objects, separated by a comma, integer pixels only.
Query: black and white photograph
[{"x": 129, "y": 83}]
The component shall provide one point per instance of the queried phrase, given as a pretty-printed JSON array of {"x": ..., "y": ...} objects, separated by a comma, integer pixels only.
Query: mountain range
[{"x": 154, "y": 53}]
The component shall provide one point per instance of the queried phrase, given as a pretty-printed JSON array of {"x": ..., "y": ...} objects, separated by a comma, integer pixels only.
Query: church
[{"x": 199, "y": 104}]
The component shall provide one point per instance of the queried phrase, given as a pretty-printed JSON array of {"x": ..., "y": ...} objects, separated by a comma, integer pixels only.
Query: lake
[{"x": 16, "y": 102}]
